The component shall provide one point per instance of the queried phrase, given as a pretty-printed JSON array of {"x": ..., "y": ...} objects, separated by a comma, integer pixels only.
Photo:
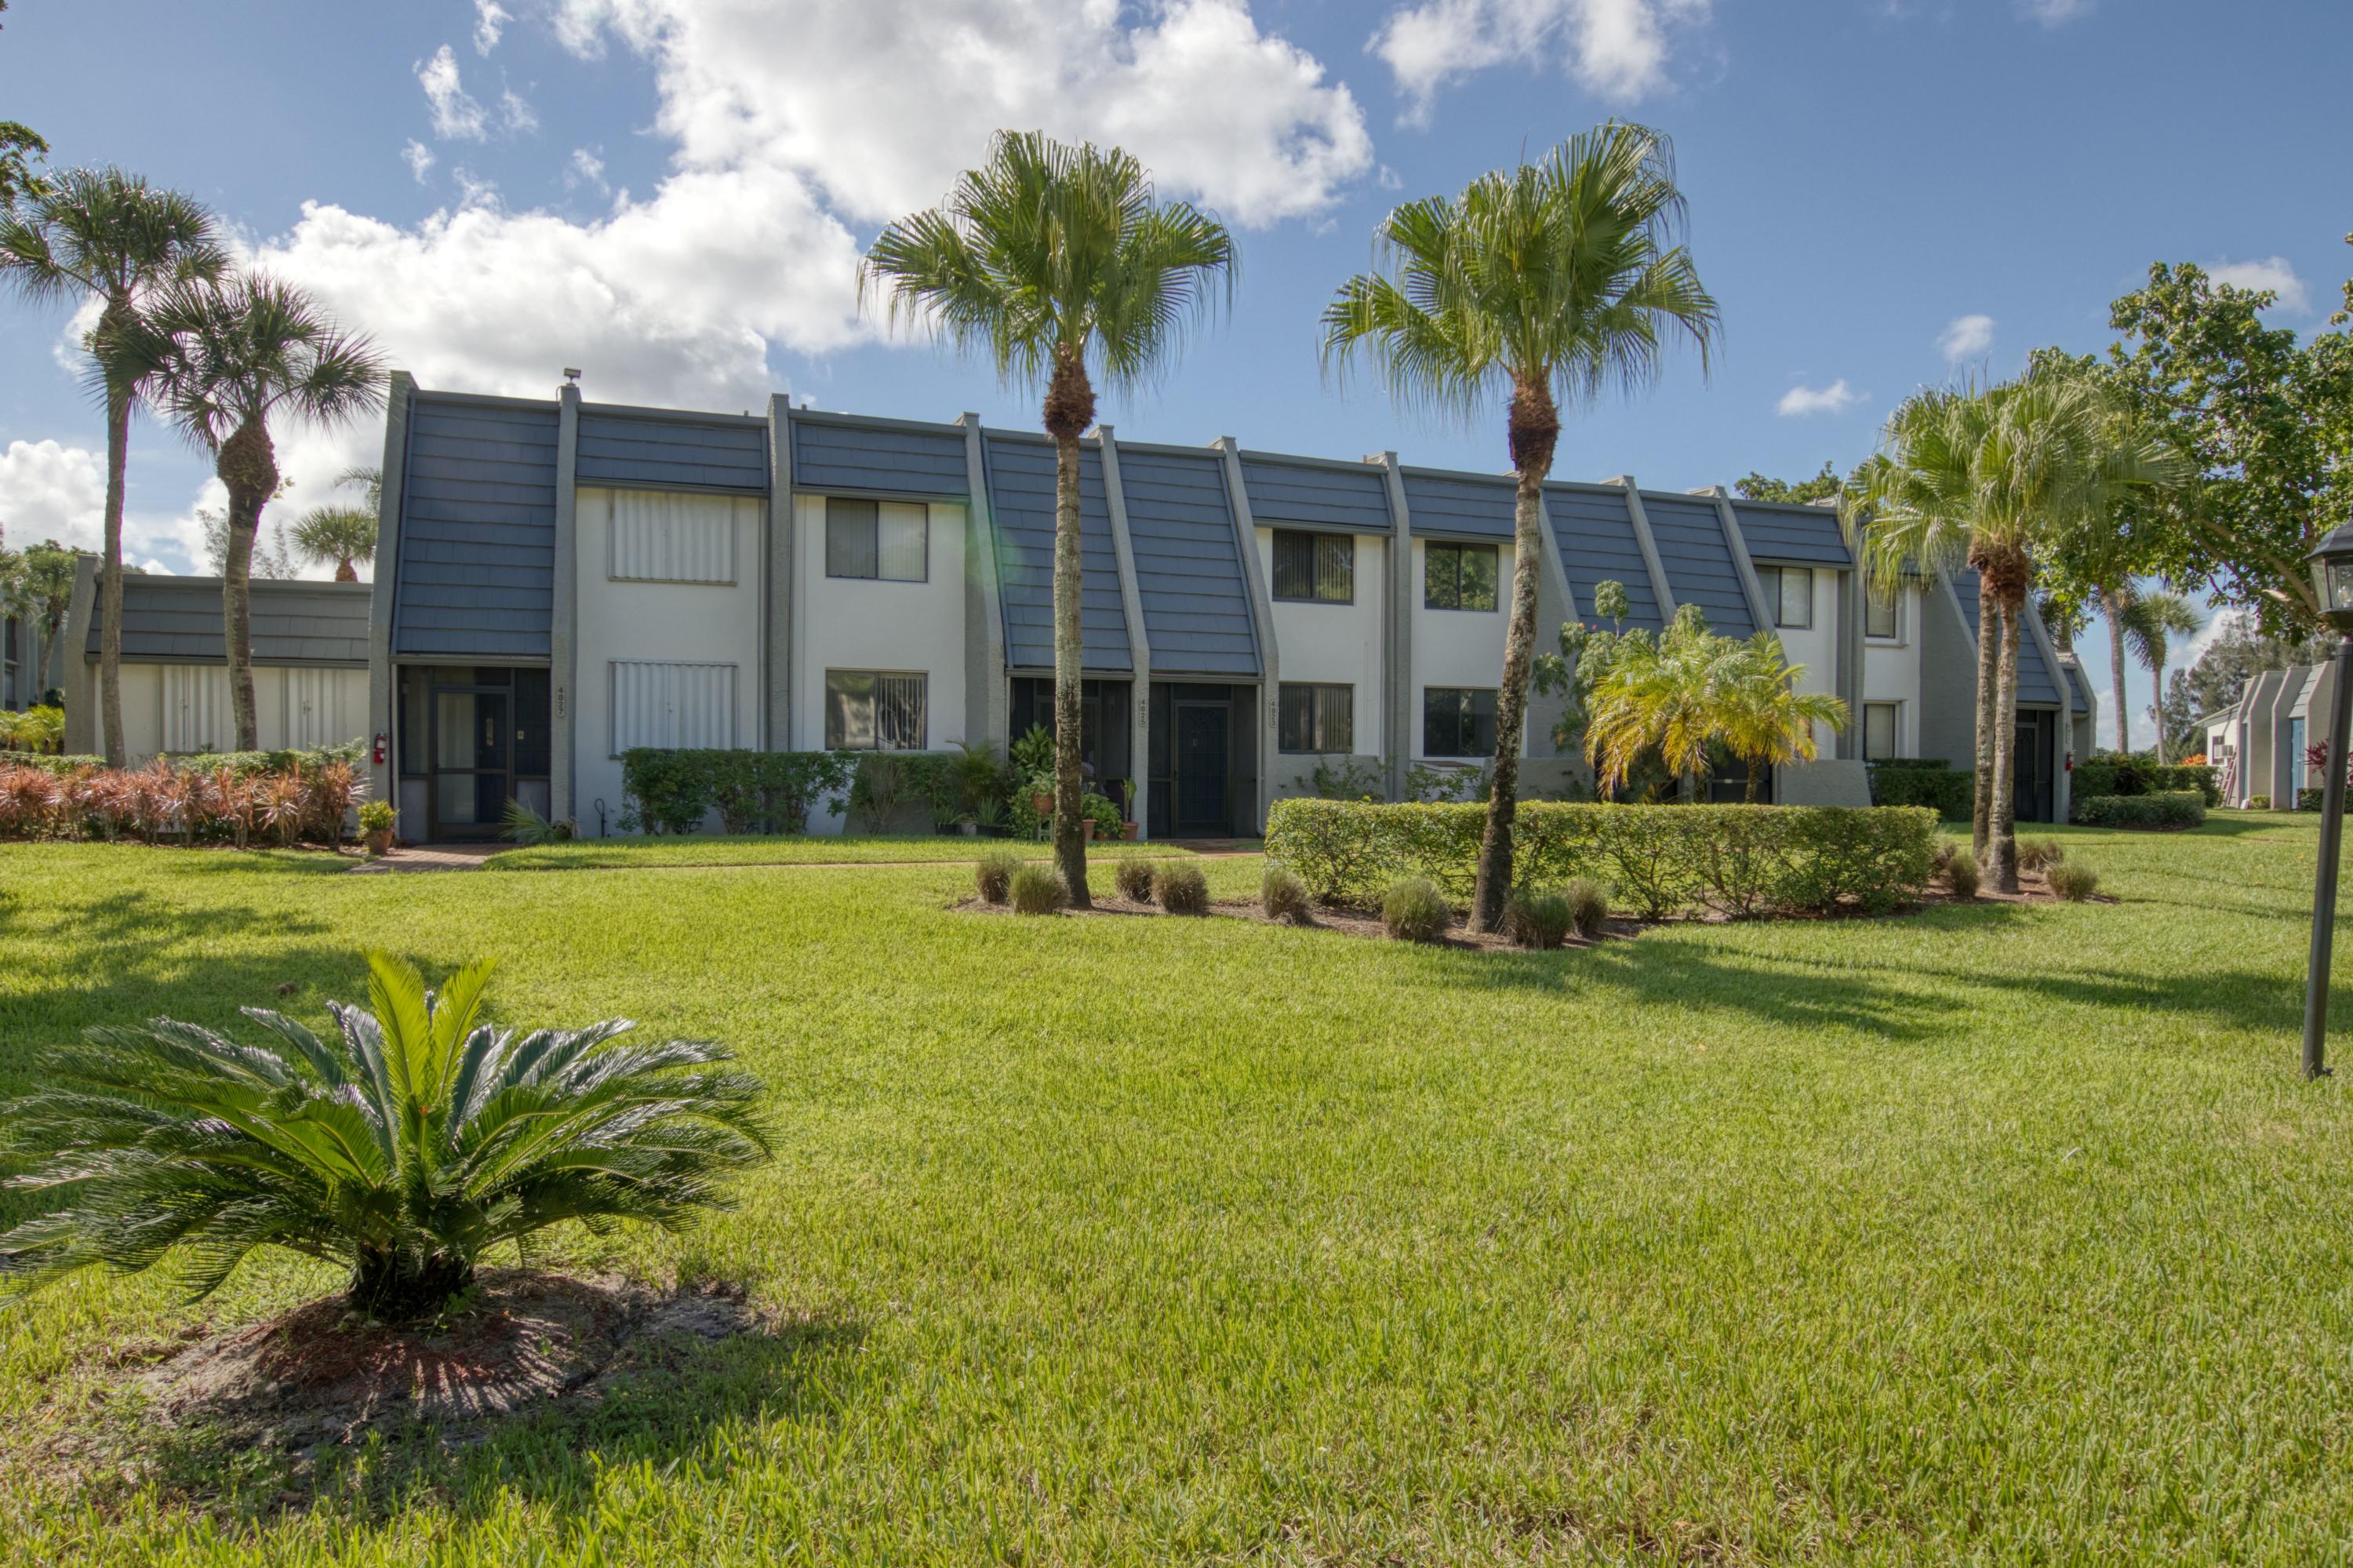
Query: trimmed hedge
[
  {"x": 1933, "y": 783},
  {"x": 2111, "y": 773},
  {"x": 2168, "y": 809},
  {"x": 1660, "y": 860},
  {"x": 753, "y": 792}
]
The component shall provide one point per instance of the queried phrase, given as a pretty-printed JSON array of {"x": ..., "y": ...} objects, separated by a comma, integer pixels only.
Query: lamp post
[{"x": 2332, "y": 573}]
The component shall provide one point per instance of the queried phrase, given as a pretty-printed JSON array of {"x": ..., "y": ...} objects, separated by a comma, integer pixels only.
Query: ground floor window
[
  {"x": 874, "y": 710},
  {"x": 1317, "y": 718},
  {"x": 1879, "y": 730},
  {"x": 1458, "y": 721}
]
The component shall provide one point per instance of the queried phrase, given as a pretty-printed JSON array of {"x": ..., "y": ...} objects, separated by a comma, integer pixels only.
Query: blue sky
[{"x": 672, "y": 193}]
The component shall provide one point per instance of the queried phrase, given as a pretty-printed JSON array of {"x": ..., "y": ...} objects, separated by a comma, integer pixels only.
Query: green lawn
[
  {"x": 798, "y": 849},
  {"x": 1998, "y": 1234}
]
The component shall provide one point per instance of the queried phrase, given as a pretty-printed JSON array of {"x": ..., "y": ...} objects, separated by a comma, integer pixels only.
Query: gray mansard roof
[{"x": 177, "y": 620}]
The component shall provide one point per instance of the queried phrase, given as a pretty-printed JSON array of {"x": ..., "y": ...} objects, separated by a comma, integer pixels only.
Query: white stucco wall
[
  {"x": 185, "y": 708},
  {"x": 1337, "y": 644},
  {"x": 1890, "y": 672},
  {"x": 1454, "y": 647},
  {"x": 864, "y": 624},
  {"x": 682, "y": 622},
  {"x": 1816, "y": 647}
]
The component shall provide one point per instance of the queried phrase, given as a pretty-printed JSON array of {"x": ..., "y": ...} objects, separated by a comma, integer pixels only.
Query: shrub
[
  {"x": 1282, "y": 896},
  {"x": 527, "y": 827},
  {"x": 1923, "y": 782},
  {"x": 2172, "y": 809},
  {"x": 753, "y": 792},
  {"x": 1180, "y": 888},
  {"x": 1588, "y": 905},
  {"x": 2074, "y": 881},
  {"x": 1133, "y": 876},
  {"x": 2040, "y": 854},
  {"x": 169, "y": 800},
  {"x": 2308, "y": 799},
  {"x": 1345, "y": 778},
  {"x": 1538, "y": 919},
  {"x": 1659, "y": 859},
  {"x": 2115, "y": 773},
  {"x": 992, "y": 876},
  {"x": 2259, "y": 803},
  {"x": 1037, "y": 889},
  {"x": 172, "y": 1136},
  {"x": 1961, "y": 873},
  {"x": 1414, "y": 910}
]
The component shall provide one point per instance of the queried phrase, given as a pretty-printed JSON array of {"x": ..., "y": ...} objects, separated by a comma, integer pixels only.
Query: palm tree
[
  {"x": 1979, "y": 477},
  {"x": 406, "y": 1144},
  {"x": 2115, "y": 608},
  {"x": 342, "y": 535},
  {"x": 107, "y": 235},
  {"x": 1064, "y": 266},
  {"x": 37, "y": 585},
  {"x": 224, "y": 359},
  {"x": 1552, "y": 282},
  {"x": 1659, "y": 697},
  {"x": 2150, "y": 623},
  {"x": 1762, "y": 716}
]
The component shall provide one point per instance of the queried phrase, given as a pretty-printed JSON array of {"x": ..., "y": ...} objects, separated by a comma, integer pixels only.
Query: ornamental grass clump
[
  {"x": 1282, "y": 896},
  {"x": 2040, "y": 854},
  {"x": 1414, "y": 910},
  {"x": 1180, "y": 888},
  {"x": 1037, "y": 889},
  {"x": 1539, "y": 919},
  {"x": 992, "y": 876},
  {"x": 2074, "y": 881},
  {"x": 1134, "y": 879},
  {"x": 1589, "y": 906},
  {"x": 1961, "y": 875},
  {"x": 403, "y": 1147}
]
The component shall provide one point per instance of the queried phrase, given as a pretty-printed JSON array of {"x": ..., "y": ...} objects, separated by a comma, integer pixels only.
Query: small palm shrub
[
  {"x": 405, "y": 1146},
  {"x": 1134, "y": 878},
  {"x": 1180, "y": 887},
  {"x": 1037, "y": 889},
  {"x": 1588, "y": 905},
  {"x": 1414, "y": 910},
  {"x": 1282, "y": 896},
  {"x": 2040, "y": 854},
  {"x": 992, "y": 876},
  {"x": 1961, "y": 873},
  {"x": 526, "y": 827},
  {"x": 2074, "y": 881},
  {"x": 1540, "y": 920}
]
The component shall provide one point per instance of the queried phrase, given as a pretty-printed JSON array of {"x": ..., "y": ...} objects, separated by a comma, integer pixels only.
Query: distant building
[{"x": 2256, "y": 745}]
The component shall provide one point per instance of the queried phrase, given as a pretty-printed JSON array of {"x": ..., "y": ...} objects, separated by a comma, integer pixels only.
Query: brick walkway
[{"x": 431, "y": 857}]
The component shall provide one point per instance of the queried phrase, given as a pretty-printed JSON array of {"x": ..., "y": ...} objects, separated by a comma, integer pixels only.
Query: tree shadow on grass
[{"x": 669, "y": 1402}]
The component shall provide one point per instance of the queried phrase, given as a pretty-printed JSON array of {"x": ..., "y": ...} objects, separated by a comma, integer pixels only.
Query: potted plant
[
  {"x": 1127, "y": 808},
  {"x": 376, "y": 818},
  {"x": 1101, "y": 815}
]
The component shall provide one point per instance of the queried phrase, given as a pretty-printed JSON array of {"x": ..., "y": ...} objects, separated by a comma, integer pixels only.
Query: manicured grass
[
  {"x": 798, "y": 849},
  {"x": 1997, "y": 1233}
]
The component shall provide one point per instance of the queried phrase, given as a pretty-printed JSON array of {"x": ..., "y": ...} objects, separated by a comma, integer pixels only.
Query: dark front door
[
  {"x": 1202, "y": 731},
  {"x": 2031, "y": 795},
  {"x": 473, "y": 762}
]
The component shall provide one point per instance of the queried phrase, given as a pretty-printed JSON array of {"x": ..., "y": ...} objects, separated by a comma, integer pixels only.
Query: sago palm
[
  {"x": 2151, "y": 621},
  {"x": 1761, "y": 715},
  {"x": 402, "y": 1146},
  {"x": 1554, "y": 282},
  {"x": 1064, "y": 267},
  {"x": 223, "y": 361},
  {"x": 108, "y": 236}
]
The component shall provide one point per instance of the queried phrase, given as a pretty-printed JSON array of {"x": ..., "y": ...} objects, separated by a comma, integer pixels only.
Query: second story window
[
  {"x": 886, "y": 541},
  {"x": 1459, "y": 577},
  {"x": 1319, "y": 568},
  {"x": 1879, "y": 618},
  {"x": 1789, "y": 594}
]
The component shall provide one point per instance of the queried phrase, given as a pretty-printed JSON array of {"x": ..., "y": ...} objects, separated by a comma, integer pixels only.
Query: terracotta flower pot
[
  {"x": 1128, "y": 832},
  {"x": 1088, "y": 825},
  {"x": 1040, "y": 802},
  {"x": 379, "y": 843}
]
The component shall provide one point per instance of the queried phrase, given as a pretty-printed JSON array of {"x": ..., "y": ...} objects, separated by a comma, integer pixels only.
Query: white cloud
[
  {"x": 1966, "y": 338},
  {"x": 2273, "y": 273},
  {"x": 518, "y": 114},
  {"x": 1835, "y": 399},
  {"x": 586, "y": 169},
  {"x": 456, "y": 114},
  {"x": 52, "y": 491},
  {"x": 1616, "y": 49},
  {"x": 491, "y": 20},
  {"x": 419, "y": 159},
  {"x": 1214, "y": 107},
  {"x": 2053, "y": 12}
]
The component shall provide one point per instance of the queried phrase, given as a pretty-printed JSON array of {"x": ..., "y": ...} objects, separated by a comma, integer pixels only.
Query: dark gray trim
[
  {"x": 680, "y": 488},
  {"x": 1850, "y": 684},
  {"x": 1650, "y": 547},
  {"x": 860, "y": 493},
  {"x": 77, "y": 678},
  {"x": 988, "y": 697},
  {"x": 1131, "y": 604},
  {"x": 673, "y": 416},
  {"x": 777, "y": 619},
  {"x": 562, "y": 664},
  {"x": 1749, "y": 585},
  {"x": 1262, "y": 606},
  {"x": 1397, "y": 716},
  {"x": 381, "y": 719},
  {"x": 482, "y": 400}
]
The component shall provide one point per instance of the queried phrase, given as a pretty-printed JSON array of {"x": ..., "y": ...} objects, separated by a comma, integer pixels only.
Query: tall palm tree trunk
[
  {"x": 1535, "y": 430},
  {"x": 2157, "y": 705},
  {"x": 1989, "y": 680},
  {"x": 2004, "y": 839},
  {"x": 1069, "y": 409},
  {"x": 2111, "y": 606},
  {"x": 248, "y": 469},
  {"x": 109, "y": 581}
]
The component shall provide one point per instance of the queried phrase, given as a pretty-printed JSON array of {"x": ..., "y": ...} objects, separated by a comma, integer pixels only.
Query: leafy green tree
[
  {"x": 1553, "y": 283},
  {"x": 106, "y": 235},
  {"x": 224, "y": 359},
  {"x": 272, "y": 560},
  {"x": 2151, "y": 623},
  {"x": 1823, "y": 486},
  {"x": 1066, "y": 268},
  {"x": 37, "y": 587},
  {"x": 20, "y": 149},
  {"x": 413, "y": 1140}
]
